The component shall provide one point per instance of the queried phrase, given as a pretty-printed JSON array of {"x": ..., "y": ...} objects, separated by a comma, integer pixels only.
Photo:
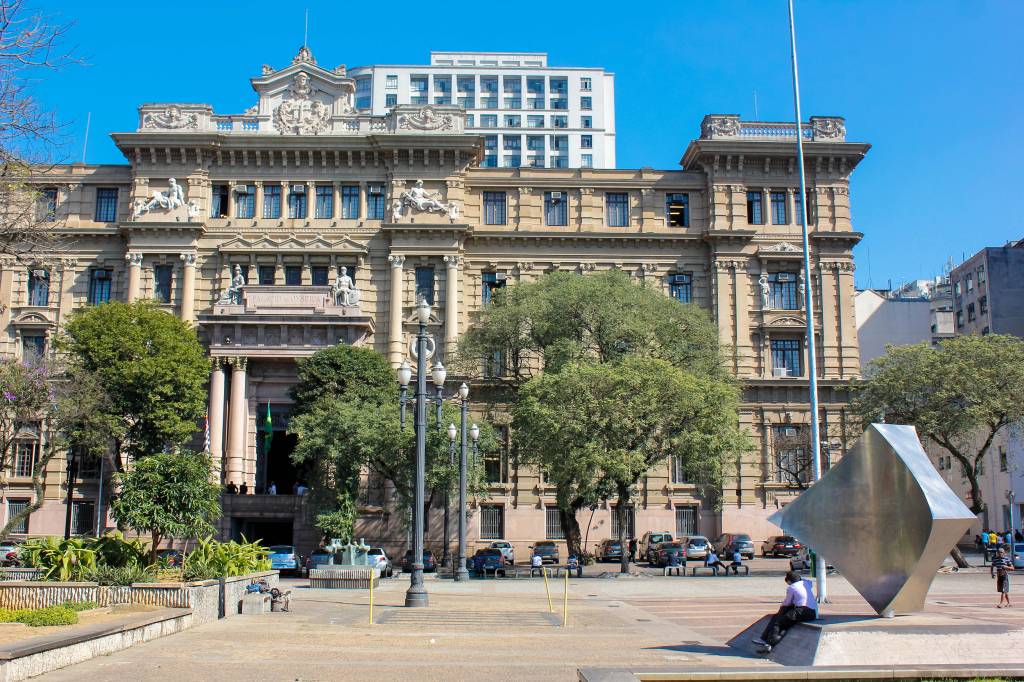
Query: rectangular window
[
  {"x": 630, "y": 522},
  {"x": 536, "y": 160},
  {"x": 535, "y": 143},
  {"x": 786, "y": 358},
  {"x": 297, "y": 202},
  {"x": 492, "y": 522},
  {"x": 293, "y": 275},
  {"x": 556, "y": 213},
  {"x": 466, "y": 84},
  {"x": 491, "y": 282},
  {"x": 350, "y": 202},
  {"x": 512, "y": 142},
  {"x": 559, "y": 103},
  {"x": 364, "y": 88},
  {"x": 1004, "y": 464},
  {"x": 25, "y": 459},
  {"x": 425, "y": 283},
  {"x": 48, "y": 204},
  {"x": 513, "y": 121},
  {"x": 15, "y": 507},
  {"x": 266, "y": 274},
  {"x": 586, "y": 103},
  {"x": 513, "y": 103},
  {"x": 981, "y": 275},
  {"x": 163, "y": 276},
  {"x": 970, "y": 282},
  {"x": 490, "y": 142},
  {"x": 586, "y": 160},
  {"x": 106, "y": 204},
  {"x": 219, "y": 205},
  {"x": 552, "y": 524},
  {"x": 39, "y": 287},
  {"x": 677, "y": 210},
  {"x": 617, "y": 209},
  {"x": 324, "y": 202},
  {"x": 418, "y": 85},
  {"x": 489, "y": 84},
  {"x": 559, "y": 121},
  {"x": 560, "y": 143},
  {"x": 534, "y": 121},
  {"x": 375, "y": 202},
  {"x": 971, "y": 316},
  {"x": 488, "y": 120},
  {"x": 686, "y": 521},
  {"x": 391, "y": 81},
  {"x": 782, "y": 291},
  {"x": 83, "y": 517},
  {"x": 799, "y": 208},
  {"x": 559, "y": 86},
  {"x": 245, "y": 201},
  {"x": 792, "y": 464},
  {"x": 535, "y": 85},
  {"x": 494, "y": 208},
  {"x": 778, "y": 200},
  {"x": 272, "y": 201},
  {"x": 470, "y": 121},
  {"x": 390, "y": 99},
  {"x": 678, "y": 472},
  {"x": 496, "y": 467},
  {"x": 680, "y": 286},
  {"x": 586, "y": 122},
  {"x": 490, "y": 161},
  {"x": 959, "y": 318},
  {"x": 755, "y": 209},
  {"x": 33, "y": 348},
  {"x": 585, "y": 84},
  {"x": 99, "y": 286},
  {"x": 983, "y": 305},
  {"x": 318, "y": 275},
  {"x": 586, "y": 141}
]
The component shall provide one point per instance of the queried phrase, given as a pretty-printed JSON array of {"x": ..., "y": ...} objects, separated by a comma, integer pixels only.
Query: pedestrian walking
[
  {"x": 632, "y": 550},
  {"x": 1000, "y": 570}
]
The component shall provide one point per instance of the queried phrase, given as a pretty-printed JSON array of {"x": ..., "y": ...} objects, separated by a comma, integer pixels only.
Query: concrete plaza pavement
[{"x": 496, "y": 629}]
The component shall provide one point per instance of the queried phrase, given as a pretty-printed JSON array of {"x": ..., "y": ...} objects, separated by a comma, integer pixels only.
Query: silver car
[
  {"x": 696, "y": 546},
  {"x": 507, "y": 551}
]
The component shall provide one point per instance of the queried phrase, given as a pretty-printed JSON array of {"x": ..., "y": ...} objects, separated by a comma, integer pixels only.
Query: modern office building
[
  {"x": 988, "y": 291},
  {"x": 528, "y": 113},
  {"x": 241, "y": 225}
]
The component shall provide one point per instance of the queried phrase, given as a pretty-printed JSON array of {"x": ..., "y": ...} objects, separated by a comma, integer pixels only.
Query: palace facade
[{"x": 241, "y": 225}]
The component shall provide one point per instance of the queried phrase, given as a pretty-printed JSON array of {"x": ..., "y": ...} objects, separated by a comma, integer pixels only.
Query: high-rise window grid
[
  {"x": 495, "y": 204},
  {"x": 350, "y": 202},
  {"x": 106, "y": 204},
  {"x": 324, "y": 202},
  {"x": 556, "y": 213},
  {"x": 617, "y": 209},
  {"x": 680, "y": 286},
  {"x": 163, "y": 276}
]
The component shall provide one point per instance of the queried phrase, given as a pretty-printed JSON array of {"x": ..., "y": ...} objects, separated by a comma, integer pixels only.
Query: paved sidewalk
[{"x": 494, "y": 629}]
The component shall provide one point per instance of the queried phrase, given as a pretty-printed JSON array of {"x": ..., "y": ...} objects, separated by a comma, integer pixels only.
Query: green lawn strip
[{"x": 50, "y": 615}]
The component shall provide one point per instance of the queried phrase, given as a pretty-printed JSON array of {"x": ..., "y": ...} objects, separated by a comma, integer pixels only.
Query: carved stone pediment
[
  {"x": 781, "y": 247},
  {"x": 783, "y": 320},
  {"x": 33, "y": 319},
  {"x": 304, "y": 98}
]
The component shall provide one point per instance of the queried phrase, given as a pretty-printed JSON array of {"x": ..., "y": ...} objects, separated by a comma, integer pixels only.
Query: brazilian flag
[{"x": 268, "y": 430}]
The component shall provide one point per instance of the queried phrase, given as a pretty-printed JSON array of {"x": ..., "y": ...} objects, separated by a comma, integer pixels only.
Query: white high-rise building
[{"x": 529, "y": 113}]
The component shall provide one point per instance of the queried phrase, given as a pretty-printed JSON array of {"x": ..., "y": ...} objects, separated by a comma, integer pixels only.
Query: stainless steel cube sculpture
[{"x": 883, "y": 517}]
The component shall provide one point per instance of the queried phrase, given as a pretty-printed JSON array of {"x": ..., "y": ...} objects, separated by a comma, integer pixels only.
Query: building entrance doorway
[
  {"x": 267, "y": 532},
  {"x": 278, "y": 463}
]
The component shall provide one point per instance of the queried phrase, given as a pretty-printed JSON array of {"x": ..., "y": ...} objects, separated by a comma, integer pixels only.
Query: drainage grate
[{"x": 476, "y": 620}]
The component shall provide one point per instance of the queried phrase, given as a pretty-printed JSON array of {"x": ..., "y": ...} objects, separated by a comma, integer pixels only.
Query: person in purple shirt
[{"x": 799, "y": 606}]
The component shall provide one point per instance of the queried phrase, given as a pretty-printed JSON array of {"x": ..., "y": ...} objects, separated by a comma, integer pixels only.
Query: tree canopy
[
  {"x": 151, "y": 367},
  {"x": 959, "y": 395},
  {"x": 169, "y": 494},
  {"x": 343, "y": 372}
]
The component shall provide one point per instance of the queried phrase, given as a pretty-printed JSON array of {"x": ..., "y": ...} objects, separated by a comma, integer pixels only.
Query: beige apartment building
[{"x": 243, "y": 224}]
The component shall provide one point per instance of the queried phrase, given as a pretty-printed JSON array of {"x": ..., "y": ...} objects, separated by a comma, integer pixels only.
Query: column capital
[
  {"x": 453, "y": 262},
  {"x": 134, "y": 258},
  {"x": 238, "y": 363},
  {"x": 189, "y": 259},
  {"x": 396, "y": 261}
]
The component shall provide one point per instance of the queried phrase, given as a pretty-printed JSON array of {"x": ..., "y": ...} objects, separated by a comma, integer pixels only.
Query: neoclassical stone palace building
[{"x": 302, "y": 223}]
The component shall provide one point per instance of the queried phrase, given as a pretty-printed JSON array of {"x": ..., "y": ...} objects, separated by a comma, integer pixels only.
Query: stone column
[
  {"x": 134, "y": 275},
  {"x": 362, "y": 200},
  {"x": 395, "y": 339},
  {"x": 215, "y": 417},
  {"x": 451, "y": 303},
  {"x": 257, "y": 209},
  {"x": 238, "y": 408},
  {"x": 336, "y": 198},
  {"x": 827, "y": 290},
  {"x": 188, "y": 287}
]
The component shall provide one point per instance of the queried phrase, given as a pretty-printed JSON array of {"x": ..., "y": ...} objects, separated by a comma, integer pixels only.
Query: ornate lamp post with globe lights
[{"x": 460, "y": 570}]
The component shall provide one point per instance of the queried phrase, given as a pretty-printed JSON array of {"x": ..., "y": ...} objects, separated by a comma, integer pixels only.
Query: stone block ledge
[{"x": 848, "y": 673}]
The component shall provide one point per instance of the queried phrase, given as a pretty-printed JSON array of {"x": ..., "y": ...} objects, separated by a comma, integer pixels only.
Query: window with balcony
[
  {"x": 492, "y": 522},
  {"x": 535, "y": 103},
  {"x": 559, "y": 161},
  {"x": 163, "y": 279},
  {"x": 490, "y": 283},
  {"x": 375, "y": 202},
  {"x": 535, "y": 160},
  {"x": 39, "y": 287},
  {"x": 556, "y": 213},
  {"x": 617, "y": 209},
  {"x": 494, "y": 208},
  {"x": 350, "y": 202},
  {"x": 220, "y": 198},
  {"x": 245, "y": 201},
  {"x": 586, "y": 141},
  {"x": 318, "y": 275},
  {"x": 782, "y": 291},
  {"x": 324, "y": 202},
  {"x": 512, "y": 161},
  {"x": 680, "y": 286},
  {"x": 297, "y": 202},
  {"x": 265, "y": 274},
  {"x": 293, "y": 275},
  {"x": 534, "y": 121},
  {"x": 755, "y": 208},
  {"x": 559, "y": 121},
  {"x": 106, "y": 204},
  {"x": 425, "y": 283},
  {"x": 786, "y": 358},
  {"x": 272, "y": 201},
  {"x": 586, "y": 103},
  {"x": 779, "y": 216},
  {"x": 99, "y": 285},
  {"x": 677, "y": 209},
  {"x": 513, "y": 121}
]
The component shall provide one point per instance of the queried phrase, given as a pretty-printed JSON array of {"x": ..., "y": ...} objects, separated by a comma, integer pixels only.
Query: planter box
[{"x": 18, "y": 573}]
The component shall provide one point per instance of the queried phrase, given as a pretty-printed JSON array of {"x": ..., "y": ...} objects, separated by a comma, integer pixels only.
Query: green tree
[
  {"x": 152, "y": 369},
  {"x": 343, "y": 372},
  {"x": 959, "y": 395},
  {"x": 169, "y": 494},
  {"x": 596, "y": 428}
]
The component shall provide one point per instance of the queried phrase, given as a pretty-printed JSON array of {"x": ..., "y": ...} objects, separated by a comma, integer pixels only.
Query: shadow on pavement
[{"x": 711, "y": 650}]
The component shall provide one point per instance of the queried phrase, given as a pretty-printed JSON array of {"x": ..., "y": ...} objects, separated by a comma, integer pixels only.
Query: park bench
[
  {"x": 680, "y": 570},
  {"x": 713, "y": 569},
  {"x": 742, "y": 567}
]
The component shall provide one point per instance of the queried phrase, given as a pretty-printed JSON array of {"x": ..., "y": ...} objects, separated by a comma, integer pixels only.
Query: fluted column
[
  {"x": 451, "y": 303},
  {"x": 237, "y": 409},
  {"x": 134, "y": 275},
  {"x": 188, "y": 287},
  {"x": 395, "y": 313},
  {"x": 215, "y": 418}
]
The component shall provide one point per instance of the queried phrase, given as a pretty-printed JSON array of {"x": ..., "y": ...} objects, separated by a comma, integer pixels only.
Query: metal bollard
[
  {"x": 547, "y": 590},
  {"x": 565, "y": 601},
  {"x": 371, "y": 596}
]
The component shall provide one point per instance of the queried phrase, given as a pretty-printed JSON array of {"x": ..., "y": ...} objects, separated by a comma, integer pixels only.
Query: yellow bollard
[
  {"x": 544, "y": 572},
  {"x": 565, "y": 601},
  {"x": 371, "y": 596}
]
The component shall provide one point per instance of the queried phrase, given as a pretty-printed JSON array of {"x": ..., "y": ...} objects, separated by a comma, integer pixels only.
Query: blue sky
[{"x": 934, "y": 85}]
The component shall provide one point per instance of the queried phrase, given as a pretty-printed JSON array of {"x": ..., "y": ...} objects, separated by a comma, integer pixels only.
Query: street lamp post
[
  {"x": 72, "y": 475},
  {"x": 460, "y": 570},
  {"x": 1010, "y": 497},
  {"x": 439, "y": 373},
  {"x": 474, "y": 433},
  {"x": 404, "y": 377},
  {"x": 416, "y": 595}
]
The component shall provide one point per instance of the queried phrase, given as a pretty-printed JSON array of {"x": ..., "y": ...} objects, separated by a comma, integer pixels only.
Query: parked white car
[{"x": 507, "y": 551}]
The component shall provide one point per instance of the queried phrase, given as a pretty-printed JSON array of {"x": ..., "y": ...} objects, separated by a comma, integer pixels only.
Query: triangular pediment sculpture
[{"x": 883, "y": 517}]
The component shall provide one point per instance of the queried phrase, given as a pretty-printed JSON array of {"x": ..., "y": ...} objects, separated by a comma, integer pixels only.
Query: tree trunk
[
  {"x": 621, "y": 510},
  {"x": 977, "y": 502},
  {"x": 958, "y": 558},
  {"x": 152, "y": 550},
  {"x": 571, "y": 529}
]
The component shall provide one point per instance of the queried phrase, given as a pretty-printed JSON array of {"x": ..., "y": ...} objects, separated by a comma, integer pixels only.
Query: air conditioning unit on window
[
  {"x": 240, "y": 189},
  {"x": 780, "y": 372},
  {"x": 500, "y": 276},
  {"x": 298, "y": 189},
  {"x": 376, "y": 189},
  {"x": 557, "y": 196}
]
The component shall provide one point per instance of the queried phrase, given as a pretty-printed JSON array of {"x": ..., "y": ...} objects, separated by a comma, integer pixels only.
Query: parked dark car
[
  {"x": 429, "y": 564},
  {"x": 727, "y": 543},
  {"x": 547, "y": 551},
  {"x": 319, "y": 557},
  {"x": 609, "y": 550},
  {"x": 664, "y": 552},
  {"x": 488, "y": 559},
  {"x": 780, "y": 545}
]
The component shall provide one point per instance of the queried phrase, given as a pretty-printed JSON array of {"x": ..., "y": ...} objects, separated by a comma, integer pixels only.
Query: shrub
[
  {"x": 113, "y": 550},
  {"x": 79, "y": 605},
  {"x": 120, "y": 575},
  {"x": 51, "y": 615},
  {"x": 212, "y": 559},
  {"x": 60, "y": 559}
]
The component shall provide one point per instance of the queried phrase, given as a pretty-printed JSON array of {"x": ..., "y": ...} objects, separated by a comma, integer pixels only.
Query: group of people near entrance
[{"x": 232, "y": 489}]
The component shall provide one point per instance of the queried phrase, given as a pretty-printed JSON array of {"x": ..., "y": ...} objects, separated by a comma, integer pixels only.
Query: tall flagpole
[{"x": 812, "y": 362}]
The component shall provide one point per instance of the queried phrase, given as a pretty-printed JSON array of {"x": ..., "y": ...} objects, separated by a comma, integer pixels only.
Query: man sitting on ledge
[{"x": 799, "y": 606}]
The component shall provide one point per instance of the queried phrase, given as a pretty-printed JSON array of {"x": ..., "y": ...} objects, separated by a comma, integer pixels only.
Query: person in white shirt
[
  {"x": 799, "y": 606},
  {"x": 536, "y": 565}
]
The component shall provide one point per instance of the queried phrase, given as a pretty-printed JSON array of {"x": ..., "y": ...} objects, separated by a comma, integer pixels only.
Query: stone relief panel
[
  {"x": 302, "y": 111},
  {"x": 166, "y": 205},
  {"x": 419, "y": 200}
]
